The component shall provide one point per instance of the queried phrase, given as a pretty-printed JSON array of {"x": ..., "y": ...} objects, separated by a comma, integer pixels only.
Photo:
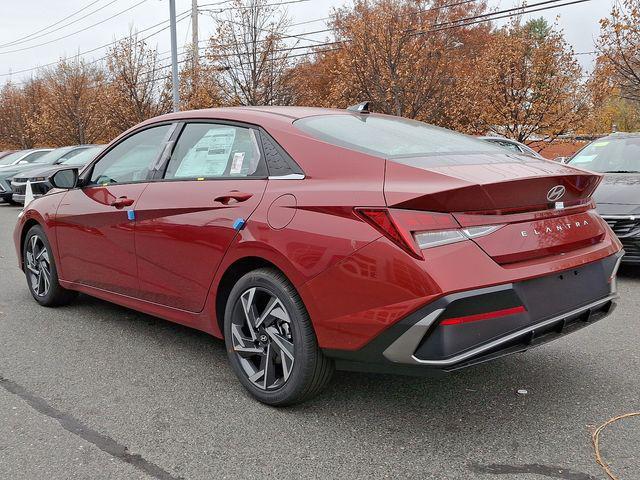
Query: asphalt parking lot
[{"x": 97, "y": 391}]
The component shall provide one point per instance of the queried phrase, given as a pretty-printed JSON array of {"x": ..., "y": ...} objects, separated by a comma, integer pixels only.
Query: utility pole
[
  {"x": 174, "y": 56},
  {"x": 194, "y": 31}
]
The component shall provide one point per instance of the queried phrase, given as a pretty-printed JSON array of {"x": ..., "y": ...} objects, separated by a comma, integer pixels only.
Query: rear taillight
[
  {"x": 438, "y": 238},
  {"x": 414, "y": 231},
  {"x": 435, "y": 239},
  {"x": 381, "y": 221}
]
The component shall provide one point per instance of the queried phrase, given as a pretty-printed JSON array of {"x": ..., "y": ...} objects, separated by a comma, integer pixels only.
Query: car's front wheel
[
  {"x": 41, "y": 272},
  {"x": 270, "y": 340}
]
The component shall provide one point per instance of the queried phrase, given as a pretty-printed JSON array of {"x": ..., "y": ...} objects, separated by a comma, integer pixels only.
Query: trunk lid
[
  {"x": 520, "y": 193},
  {"x": 482, "y": 182}
]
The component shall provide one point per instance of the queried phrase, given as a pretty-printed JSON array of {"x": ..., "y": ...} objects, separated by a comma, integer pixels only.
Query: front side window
[
  {"x": 131, "y": 159},
  {"x": 207, "y": 150}
]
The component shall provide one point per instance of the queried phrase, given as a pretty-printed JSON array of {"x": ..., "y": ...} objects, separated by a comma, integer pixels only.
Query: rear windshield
[
  {"x": 400, "y": 139},
  {"x": 610, "y": 155}
]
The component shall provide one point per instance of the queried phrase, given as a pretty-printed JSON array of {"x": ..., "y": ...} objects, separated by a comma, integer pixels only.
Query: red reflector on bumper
[{"x": 483, "y": 316}]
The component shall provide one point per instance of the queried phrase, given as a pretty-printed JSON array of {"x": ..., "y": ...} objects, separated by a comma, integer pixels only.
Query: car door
[
  {"x": 213, "y": 182},
  {"x": 94, "y": 224}
]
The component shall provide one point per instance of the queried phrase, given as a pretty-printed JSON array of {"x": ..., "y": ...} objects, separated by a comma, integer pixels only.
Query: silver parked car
[
  {"x": 13, "y": 163},
  {"x": 38, "y": 174}
]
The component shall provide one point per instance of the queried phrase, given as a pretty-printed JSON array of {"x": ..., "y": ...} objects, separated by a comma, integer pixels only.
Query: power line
[
  {"x": 181, "y": 16},
  {"x": 521, "y": 10},
  {"x": 242, "y": 7},
  {"x": 462, "y": 22},
  {"x": 549, "y": 7},
  {"x": 60, "y": 27},
  {"x": 17, "y": 40},
  {"x": 435, "y": 28},
  {"x": 76, "y": 32}
]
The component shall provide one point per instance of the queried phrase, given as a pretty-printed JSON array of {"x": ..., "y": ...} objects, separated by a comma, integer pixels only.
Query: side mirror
[{"x": 65, "y": 179}]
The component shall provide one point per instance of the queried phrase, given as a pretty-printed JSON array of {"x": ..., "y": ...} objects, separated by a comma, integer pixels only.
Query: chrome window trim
[{"x": 291, "y": 176}]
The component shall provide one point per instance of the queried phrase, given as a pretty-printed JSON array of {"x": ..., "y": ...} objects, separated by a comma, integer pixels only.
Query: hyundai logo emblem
[{"x": 556, "y": 193}]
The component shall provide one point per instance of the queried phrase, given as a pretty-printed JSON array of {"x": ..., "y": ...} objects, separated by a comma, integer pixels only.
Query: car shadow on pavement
[{"x": 546, "y": 372}]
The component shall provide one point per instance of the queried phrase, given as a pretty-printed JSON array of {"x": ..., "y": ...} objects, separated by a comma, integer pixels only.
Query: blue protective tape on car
[
  {"x": 239, "y": 223},
  {"x": 131, "y": 215}
]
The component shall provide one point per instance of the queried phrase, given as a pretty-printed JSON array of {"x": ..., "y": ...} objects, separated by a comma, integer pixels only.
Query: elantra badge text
[{"x": 561, "y": 227}]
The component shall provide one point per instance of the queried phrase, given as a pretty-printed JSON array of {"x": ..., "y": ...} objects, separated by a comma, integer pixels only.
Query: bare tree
[{"x": 250, "y": 54}]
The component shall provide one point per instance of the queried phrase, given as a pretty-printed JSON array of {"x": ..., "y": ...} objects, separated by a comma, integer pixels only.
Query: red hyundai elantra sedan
[{"x": 313, "y": 239}]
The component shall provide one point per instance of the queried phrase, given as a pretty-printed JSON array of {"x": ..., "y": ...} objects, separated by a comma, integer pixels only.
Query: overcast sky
[{"x": 24, "y": 17}]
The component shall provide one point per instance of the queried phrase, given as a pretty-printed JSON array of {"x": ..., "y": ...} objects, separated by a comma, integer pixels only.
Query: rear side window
[
  {"x": 207, "y": 150},
  {"x": 401, "y": 140}
]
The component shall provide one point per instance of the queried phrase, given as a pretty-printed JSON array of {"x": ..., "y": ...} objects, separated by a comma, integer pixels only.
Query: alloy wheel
[
  {"x": 38, "y": 265},
  {"x": 262, "y": 338}
]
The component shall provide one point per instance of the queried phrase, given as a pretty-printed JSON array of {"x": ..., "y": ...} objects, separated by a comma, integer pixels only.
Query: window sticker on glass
[
  {"x": 601, "y": 144},
  {"x": 210, "y": 155},
  {"x": 236, "y": 163}
]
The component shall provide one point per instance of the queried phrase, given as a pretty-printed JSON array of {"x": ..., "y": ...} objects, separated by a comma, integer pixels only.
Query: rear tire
[
  {"x": 40, "y": 269},
  {"x": 276, "y": 357}
]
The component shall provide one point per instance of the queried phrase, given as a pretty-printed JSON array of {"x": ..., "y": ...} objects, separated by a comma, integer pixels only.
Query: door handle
[
  {"x": 122, "y": 202},
  {"x": 233, "y": 196}
]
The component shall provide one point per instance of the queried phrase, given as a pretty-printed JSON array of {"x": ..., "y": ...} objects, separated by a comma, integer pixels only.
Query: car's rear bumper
[{"x": 461, "y": 329}]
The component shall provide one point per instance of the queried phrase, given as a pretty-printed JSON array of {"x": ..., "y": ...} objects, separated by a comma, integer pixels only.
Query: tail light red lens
[
  {"x": 381, "y": 220},
  {"x": 414, "y": 231}
]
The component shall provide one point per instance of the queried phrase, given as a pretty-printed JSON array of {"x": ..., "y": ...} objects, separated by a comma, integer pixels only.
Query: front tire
[
  {"x": 270, "y": 341},
  {"x": 40, "y": 269}
]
